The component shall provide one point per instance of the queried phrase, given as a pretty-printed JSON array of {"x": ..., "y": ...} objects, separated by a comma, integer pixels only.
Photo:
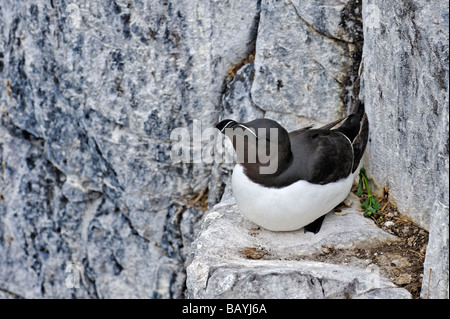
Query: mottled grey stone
[
  {"x": 338, "y": 19},
  {"x": 90, "y": 93},
  {"x": 405, "y": 74},
  {"x": 219, "y": 267},
  {"x": 435, "y": 284},
  {"x": 296, "y": 280},
  {"x": 299, "y": 70},
  {"x": 237, "y": 100}
]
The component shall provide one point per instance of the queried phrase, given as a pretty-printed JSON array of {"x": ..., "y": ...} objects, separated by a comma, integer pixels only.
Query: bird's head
[{"x": 260, "y": 145}]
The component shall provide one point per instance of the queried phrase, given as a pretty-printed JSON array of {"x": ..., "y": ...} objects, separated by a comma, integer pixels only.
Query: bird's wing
[
  {"x": 329, "y": 126},
  {"x": 319, "y": 156},
  {"x": 331, "y": 158},
  {"x": 304, "y": 128}
]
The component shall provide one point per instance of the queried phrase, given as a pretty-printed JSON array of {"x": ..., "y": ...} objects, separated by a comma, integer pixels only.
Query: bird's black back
[
  {"x": 323, "y": 155},
  {"x": 318, "y": 156}
]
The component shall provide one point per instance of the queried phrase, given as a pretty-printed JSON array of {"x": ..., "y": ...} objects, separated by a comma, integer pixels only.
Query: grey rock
[
  {"x": 90, "y": 93},
  {"x": 234, "y": 258},
  {"x": 405, "y": 75},
  {"x": 435, "y": 284},
  {"x": 299, "y": 280},
  {"x": 237, "y": 100},
  {"x": 40, "y": 231},
  {"x": 341, "y": 20},
  {"x": 300, "y": 71}
]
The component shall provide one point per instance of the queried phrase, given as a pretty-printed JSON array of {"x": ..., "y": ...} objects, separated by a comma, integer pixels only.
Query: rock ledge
[{"x": 234, "y": 258}]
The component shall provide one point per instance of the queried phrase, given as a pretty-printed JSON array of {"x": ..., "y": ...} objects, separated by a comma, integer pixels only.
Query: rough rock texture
[
  {"x": 233, "y": 258},
  {"x": 406, "y": 81},
  {"x": 297, "y": 280},
  {"x": 90, "y": 93},
  {"x": 435, "y": 283},
  {"x": 301, "y": 62},
  {"x": 406, "y": 87},
  {"x": 92, "y": 89}
]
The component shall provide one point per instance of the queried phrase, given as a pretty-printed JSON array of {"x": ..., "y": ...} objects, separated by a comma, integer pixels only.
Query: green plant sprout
[{"x": 371, "y": 204}]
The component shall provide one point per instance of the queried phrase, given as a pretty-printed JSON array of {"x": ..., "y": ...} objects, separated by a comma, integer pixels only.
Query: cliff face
[
  {"x": 406, "y": 82},
  {"x": 91, "y": 91},
  {"x": 405, "y": 64},
  {"x": 92, "y": 204}
]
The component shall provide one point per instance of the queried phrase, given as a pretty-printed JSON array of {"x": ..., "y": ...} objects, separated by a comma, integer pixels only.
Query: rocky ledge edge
[{"x": 234, "y": 258}]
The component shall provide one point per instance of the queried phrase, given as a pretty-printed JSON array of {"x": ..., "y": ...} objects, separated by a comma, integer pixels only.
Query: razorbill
[{"x": 285, "y": 181}]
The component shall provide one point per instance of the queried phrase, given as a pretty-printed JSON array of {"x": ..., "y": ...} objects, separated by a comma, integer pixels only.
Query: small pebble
[
  {"x": 403, "y": 279},
  {"x": 326, "y": 248},
  {"x": 389, "y": 224}
]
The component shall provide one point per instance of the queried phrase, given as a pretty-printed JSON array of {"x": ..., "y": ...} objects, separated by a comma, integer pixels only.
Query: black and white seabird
[{"x": 314, "y": 173}]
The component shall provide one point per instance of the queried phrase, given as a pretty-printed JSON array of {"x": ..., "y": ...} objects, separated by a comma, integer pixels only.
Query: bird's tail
[
  {"x": 360, "y": 142},
  {"x": 352, "y": 124},
  {"x": 356, "y": 128}
]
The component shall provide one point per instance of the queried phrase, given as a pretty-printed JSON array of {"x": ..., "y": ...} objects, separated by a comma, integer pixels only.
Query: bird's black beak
[{"x": 225, "y": 124}]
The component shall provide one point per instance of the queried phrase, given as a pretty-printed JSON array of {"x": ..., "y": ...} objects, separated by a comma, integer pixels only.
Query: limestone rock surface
[
  {"x": 91, "y": 203},
  {"x": 90, "y": 92},
  {"x": 234, "y": 258}
]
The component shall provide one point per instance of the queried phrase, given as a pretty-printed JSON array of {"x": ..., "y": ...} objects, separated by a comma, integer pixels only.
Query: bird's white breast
[{"x": 288, "y": 208}]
